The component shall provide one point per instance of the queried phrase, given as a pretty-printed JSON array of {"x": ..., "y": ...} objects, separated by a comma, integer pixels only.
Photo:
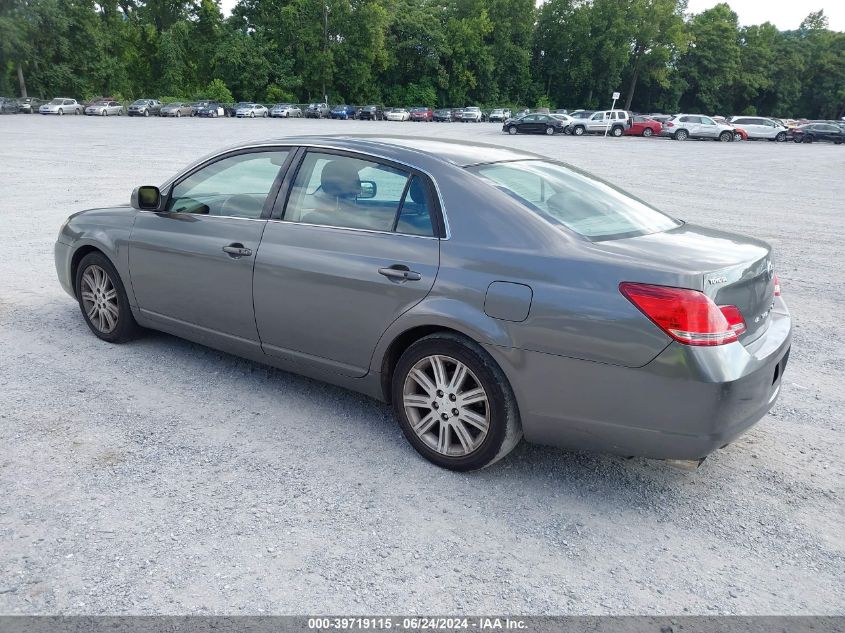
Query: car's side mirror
[
  {"x": 369, "y": 189},
  {"x": 146, "y": 198}
]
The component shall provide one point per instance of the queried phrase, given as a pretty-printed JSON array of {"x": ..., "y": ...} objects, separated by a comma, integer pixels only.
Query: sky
[{"x": 784, "y": 14}]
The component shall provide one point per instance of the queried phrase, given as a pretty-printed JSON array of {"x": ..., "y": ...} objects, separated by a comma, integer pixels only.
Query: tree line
[{"x": 563, "y": 53}]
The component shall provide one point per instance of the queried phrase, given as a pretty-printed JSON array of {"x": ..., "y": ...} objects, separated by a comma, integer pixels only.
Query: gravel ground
[{"x": 165, "y": 477}]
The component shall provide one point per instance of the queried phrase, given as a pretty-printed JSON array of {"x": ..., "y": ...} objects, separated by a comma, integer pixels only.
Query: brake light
[
  {"x": 688, "y": 316},
  {"x": 669, "y": 124},
  {"x": 777, "y": 286}
]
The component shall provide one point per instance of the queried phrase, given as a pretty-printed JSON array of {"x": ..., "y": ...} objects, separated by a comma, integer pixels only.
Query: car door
[
  {"x": 191, "y": 263},
  {"x": 355, "y": 246},
  {"x": 708, "y": 127},
  {"x": 596, "y": 123}
]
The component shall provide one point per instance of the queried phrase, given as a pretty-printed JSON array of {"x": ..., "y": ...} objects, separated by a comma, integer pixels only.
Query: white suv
[
  {"x": 760, "y": 127},
  {"x": 615, "y": 122},
  {"x": 684, "y": 126}
]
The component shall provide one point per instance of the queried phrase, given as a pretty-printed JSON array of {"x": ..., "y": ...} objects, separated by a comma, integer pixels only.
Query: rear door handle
[
  {"x": 237, "y": 250},
  {"x": 400, "y": 272}
]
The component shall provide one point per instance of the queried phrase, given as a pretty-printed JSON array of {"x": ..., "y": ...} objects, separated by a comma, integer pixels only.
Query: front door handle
[
  {"x": 399, "y": 272},
  {"x": 237, "y": 250}
]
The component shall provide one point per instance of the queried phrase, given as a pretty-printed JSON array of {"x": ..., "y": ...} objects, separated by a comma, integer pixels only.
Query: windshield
[
  {"x": 582, "y": 203},
  {"x": 140, "y": 102},
  {"x": 57, "y": 102}
]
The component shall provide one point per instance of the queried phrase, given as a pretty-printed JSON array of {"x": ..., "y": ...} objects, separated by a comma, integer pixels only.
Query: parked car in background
[
  {"x": 144, "y": 107},
  {"x": 422, "y": 114},
  {"x": 660, "y": 118},
  {"x": 443, "y": 115},
  {"x": 760, "y": 127},
  {"x": 614, "y": 122},
  {"x": 644, "y": 126},
  {"x": 535, "y": 124},
  {"x": 812, "y": 132},
  {"x": 739, "y": 133},
  {"x": 582, "y": 114},
  {"x": 397, "y": 114},
  {"x": 471, "y": 114},
  {"x": 343, "y": 111},
  {"x": 211, "y": 109},
  {"x": 61, "y": 106},
  {"x": 105, "y": 108},
  {"x": 177, "y": 109},
  {"x": 286, "y": 111},
  {"x": 548, "y": 303},
  {"x": 9, "y": 106},
  {"x": 565, "y": 119},
  {"x": 317, "y": 111},
  {"x": 371, "y": 113},
  {"x": 251, "y": 110},
  {"x": 27, "y": 105},
  {"x": 196, "y": 105},
  {"x": 684, "y": 126},
  {"x": 499, "y": 115}
]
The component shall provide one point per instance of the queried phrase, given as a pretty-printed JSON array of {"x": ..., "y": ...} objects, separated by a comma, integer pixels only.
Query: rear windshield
[{"x": 582, "y": 203}]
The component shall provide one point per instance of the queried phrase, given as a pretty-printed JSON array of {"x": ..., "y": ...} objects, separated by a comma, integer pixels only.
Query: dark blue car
[{"x": 343, "y": 112}]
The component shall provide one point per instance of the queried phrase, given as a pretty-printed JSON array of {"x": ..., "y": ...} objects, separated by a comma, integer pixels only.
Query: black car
[
  {"x": 231, "y": 110},
  {"x": 211, "y": 109},
  {"x": 443, "y": 114},
  {"x": 8, "y": 106},
  {"x": 818, "y": 132},
  {"x": 371, "y": 113},
  {"x": 534, "y": 124},
  {"x": 27, "y": 105},
  {"x": 317, "y": 111}
]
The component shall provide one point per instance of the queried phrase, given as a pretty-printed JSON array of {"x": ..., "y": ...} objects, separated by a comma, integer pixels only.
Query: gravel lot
[{"x": 165, "y": 477}]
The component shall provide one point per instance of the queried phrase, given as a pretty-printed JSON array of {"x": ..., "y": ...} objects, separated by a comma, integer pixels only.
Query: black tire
[
  {"x": 504, "y": 430},
  {"x": 725, "y": 137},
  {"x": 578, "y": 130},
  {"x": 681, "y": 135},
  {"x": 648, "y": 132},
  {"x": 146, "y": 113},
  {"x": 550, "y": 130},
  {"x": 797, "y": 139},
  {"x": 512, "y": 130},
  {"x": 126, "y": 328},
  {"x": 617, "y": 131},
  {"x": 781, "y": 137},
  {"x": 178, "y": 114},
  {"x": 808, "y": 138},
  {"x": 61, "y": 112}
]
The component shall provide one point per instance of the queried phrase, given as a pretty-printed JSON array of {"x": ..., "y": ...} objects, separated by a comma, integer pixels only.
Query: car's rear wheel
[
  {"x": 681, "y": 135},
  {"x": 454, "y": 404},
  {"x": 578, "y": 130},
  {"x": 781, "y": 137},
  {"x": 617, "y": 131},
  {"x": 648, "y": 132},
  {"x": 103, "y": 301},
  {"x": 550, "y": 131},
  {"x": 726, "y": 136},
  {"x": 512, "y": 130}
]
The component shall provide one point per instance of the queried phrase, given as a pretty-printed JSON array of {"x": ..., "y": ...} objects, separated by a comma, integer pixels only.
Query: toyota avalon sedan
[
  {"x": 251, "y": 110},
  {"x": 487, "y": 293}
]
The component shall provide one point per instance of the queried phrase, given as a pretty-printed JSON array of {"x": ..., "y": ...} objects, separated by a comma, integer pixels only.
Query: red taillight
[
  {"x": 669, "y": 124},
  {"x": 688, "y": 316},
  {"x": 777, "y": 286}
]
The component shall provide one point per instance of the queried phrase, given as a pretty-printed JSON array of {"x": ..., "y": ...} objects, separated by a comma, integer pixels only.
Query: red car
[
  {"x": 644, "y": 126},
  {"x": 422, "y": 114}
]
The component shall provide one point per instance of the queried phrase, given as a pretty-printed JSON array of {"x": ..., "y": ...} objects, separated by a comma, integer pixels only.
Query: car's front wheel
[
  {"x": 781, "y": 137},
  {"x": 454, "y": 403},
  {"x": 725, "y": 137},
  {"x": 61, "y": 112},
  {"x": 103, "y": 301},
  {"x": 512, "y": 129},
  {"x": 648, "y": 132}
]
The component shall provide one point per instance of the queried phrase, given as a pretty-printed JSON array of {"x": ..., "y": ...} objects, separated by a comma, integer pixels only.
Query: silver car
[
  {"x": 488, "y": 293},
  {"x": 176, "y": 110},
  {"x": 684, "y": 126},
  {"x": 761, "y": 128},
  {"x": 286, "y": 110},
  {"x": 611, "y": 122},
  {"x": 61, "y": 106},
  {"x": 251, "y": 110},
  {"x": 105, "y": 108}
]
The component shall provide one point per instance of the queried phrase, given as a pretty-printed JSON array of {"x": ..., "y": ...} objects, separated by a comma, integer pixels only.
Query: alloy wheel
[
  {"x": 647, "y": 132},
  {"x": 99, "y": 299},
  {"x": 446, "y": 405}
]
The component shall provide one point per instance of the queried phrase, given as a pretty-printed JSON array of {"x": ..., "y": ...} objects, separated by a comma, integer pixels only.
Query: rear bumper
[{"x": 684, "y": 404}]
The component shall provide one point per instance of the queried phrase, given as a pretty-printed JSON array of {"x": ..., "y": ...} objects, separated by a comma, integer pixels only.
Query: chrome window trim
[{"x": 275, "y": 143}]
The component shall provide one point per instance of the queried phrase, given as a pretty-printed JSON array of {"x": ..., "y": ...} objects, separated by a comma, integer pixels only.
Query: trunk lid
[{"x": 731, "y": 269}]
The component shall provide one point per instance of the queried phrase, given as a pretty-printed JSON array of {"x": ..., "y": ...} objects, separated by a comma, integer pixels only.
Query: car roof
[{"x": 404, "y": 148}]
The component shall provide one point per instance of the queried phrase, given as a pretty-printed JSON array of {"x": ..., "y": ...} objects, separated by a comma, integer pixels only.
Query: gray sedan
[
  {"x": 176, "y": 110},
  {"x": 488, "y": 293}
]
